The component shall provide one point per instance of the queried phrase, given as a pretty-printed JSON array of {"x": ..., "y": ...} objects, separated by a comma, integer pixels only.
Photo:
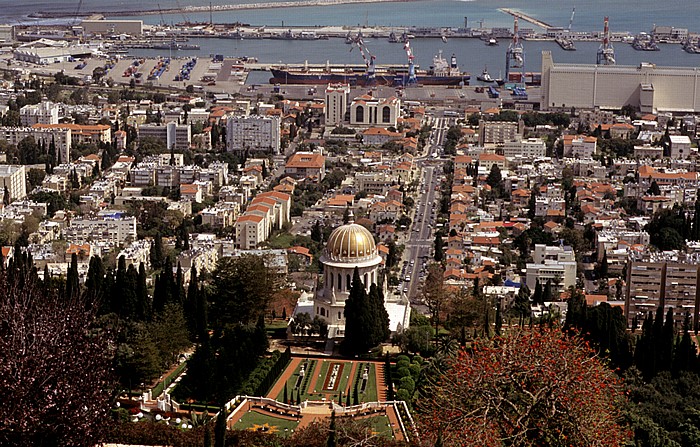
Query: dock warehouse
[
  {"x": 45, "y": 51},
  {"x": 650, "y": 88}
]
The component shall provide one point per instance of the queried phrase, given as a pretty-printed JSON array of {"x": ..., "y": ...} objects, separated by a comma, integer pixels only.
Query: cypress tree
[
  {"x": 537, "y": 295},
  {"x": 156, "y": 253},
  {"x": 143, "y": 308},
  {"x": 685, "y": 354},
  {"x": 332, "y": 442},
  {"x": 355, "y": 396},
  {"x": 190, "y": 305},
  {"x": 72, "y": 280},
  {"x": 179, "y": 286},
  {"x": 666, "y": 343},
  {"x": 499, "y": 320},
  {"x": 220, "y": 429},
  {"x": 202, "y": 323},
  {"x": 340, "y": 398},
  {"x": 286, "y": 399},
  {"x": 347, "y": 400},
  {"x": 356, "y": 318}
]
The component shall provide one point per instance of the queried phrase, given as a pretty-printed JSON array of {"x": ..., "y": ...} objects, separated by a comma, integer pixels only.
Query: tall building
[
  {"x": 336, "y": 103},
  {"x": 253, "y": 133},
  {"x": 14, "y": 178},
  {"x": 45, "y": 112},
  {"x": 179, "y": 135},
  {"x": 670, "y": 283},
  {"x": 499, "y": 132},
  {"x": 557, "y": 264}
]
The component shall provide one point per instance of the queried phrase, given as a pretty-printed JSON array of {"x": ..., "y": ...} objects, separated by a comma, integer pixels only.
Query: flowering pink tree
[{"x": 528, "y": 388}]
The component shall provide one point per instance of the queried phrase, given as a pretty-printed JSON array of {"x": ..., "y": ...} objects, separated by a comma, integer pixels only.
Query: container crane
[
  {"x": 606, "y": 52},
  {"x": 367, "y": 56},
  {"x": 411, "y": 67},
  {"x": 515, "y": 55}
]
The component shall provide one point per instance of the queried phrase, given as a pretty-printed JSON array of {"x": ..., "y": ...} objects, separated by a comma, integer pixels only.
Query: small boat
[
  {"x": 645, "y": 42},
  {"x": 444, "y": 38},
  {"x": 566, "y": 44},
  {"x": 485, "y": 76},
  {"x": 393, "y": 38},
  {"x": 492, "y": 41}
]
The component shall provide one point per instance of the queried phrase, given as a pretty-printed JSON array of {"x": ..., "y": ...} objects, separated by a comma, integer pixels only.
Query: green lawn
[
  {"x": 282, "y": 240},
  {"x": 380, "y": 424},
  {"x": 293, "y": 380},
  {"x": 252, "y": 418},
  {"x": 345, "y": 382}
]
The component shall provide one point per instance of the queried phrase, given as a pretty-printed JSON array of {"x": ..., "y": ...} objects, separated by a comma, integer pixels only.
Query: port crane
[
  {"x": 606, "y": 52},
  {"x": 571, "y": 20},
  {"x": 515, "y": 55},
  {"x": 367, "y": 56},
  {"x": 411, "y": 67}
]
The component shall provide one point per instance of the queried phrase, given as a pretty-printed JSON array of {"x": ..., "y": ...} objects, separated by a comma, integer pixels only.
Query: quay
[{"x": 527, "y": 18}]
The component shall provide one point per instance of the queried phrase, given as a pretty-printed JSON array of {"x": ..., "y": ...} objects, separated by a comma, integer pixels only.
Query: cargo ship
[{"x": 441, "y": 72}]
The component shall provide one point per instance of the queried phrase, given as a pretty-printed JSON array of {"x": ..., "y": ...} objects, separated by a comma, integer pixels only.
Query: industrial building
[{"x": 647, "y": 87}]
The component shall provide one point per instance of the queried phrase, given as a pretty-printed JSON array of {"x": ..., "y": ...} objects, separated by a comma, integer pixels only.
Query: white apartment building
[
  {"x": 250, "y": 231},
  {"x": 115, "y": 230},
  {"x": 530, "y": 148},
  {"x": 45, "y": 112},
  {"x": 557, "y": 264},
  {"x": 255, "y": 133},
  {"x": 336, "y": 103},
  {"x": 499, "y": 132},
  {"x": 61, "y": 138},
  {"x": 14, "y": 177},
  {"x": 579, "y": 146}
]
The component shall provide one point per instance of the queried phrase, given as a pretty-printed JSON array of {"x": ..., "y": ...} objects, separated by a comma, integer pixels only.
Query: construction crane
[
  {"x": 411, "y": 67},
  {"x": 606, "y": 52},
  {"x": 515, "y": 55},
  {"x": 571, "y": 20}
]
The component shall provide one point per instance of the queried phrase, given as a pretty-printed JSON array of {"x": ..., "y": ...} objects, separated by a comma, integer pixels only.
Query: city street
[{"x": 419, "y": 247}]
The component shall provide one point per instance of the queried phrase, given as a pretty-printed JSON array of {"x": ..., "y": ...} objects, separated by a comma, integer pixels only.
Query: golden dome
[{"x": 350, "y": 242}]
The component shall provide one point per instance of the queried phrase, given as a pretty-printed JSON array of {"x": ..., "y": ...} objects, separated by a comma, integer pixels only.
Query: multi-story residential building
[
  {"x": 557, "y": 264},
  {"x": 306, "y": 165},
  {"x": 374, "y": 182},
  {"x": 670, "y": 282},
  {"x": 114, "y": 230},
  {"x": 486, "y": 160},
  {"x": 13, "y": 177},
  {"x": 60, "y": 137},
  {"x": 83, "y": 133},
  {"x": 167, "y": 176},
  {"x": 367, "y": 110},
  {"x": 45, "y": 112},
  {"x": 579, "y": 146},
  {"x": 253, "y": 133},
  {"x": 175, "y": 136},
  {"x": 499, "y": 132},
  {"x": 336, "y": 104},
  {"x": 221, "y": 215},
  {"x": 530, "y": 148},
  {"x": 250, "y": 231}
]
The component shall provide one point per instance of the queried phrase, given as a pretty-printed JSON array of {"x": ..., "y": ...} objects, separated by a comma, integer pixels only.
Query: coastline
[{"x": 219, "y": 8}]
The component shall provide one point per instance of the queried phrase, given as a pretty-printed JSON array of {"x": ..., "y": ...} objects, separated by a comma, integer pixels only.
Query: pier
[{"x": 527, "y": 18}]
